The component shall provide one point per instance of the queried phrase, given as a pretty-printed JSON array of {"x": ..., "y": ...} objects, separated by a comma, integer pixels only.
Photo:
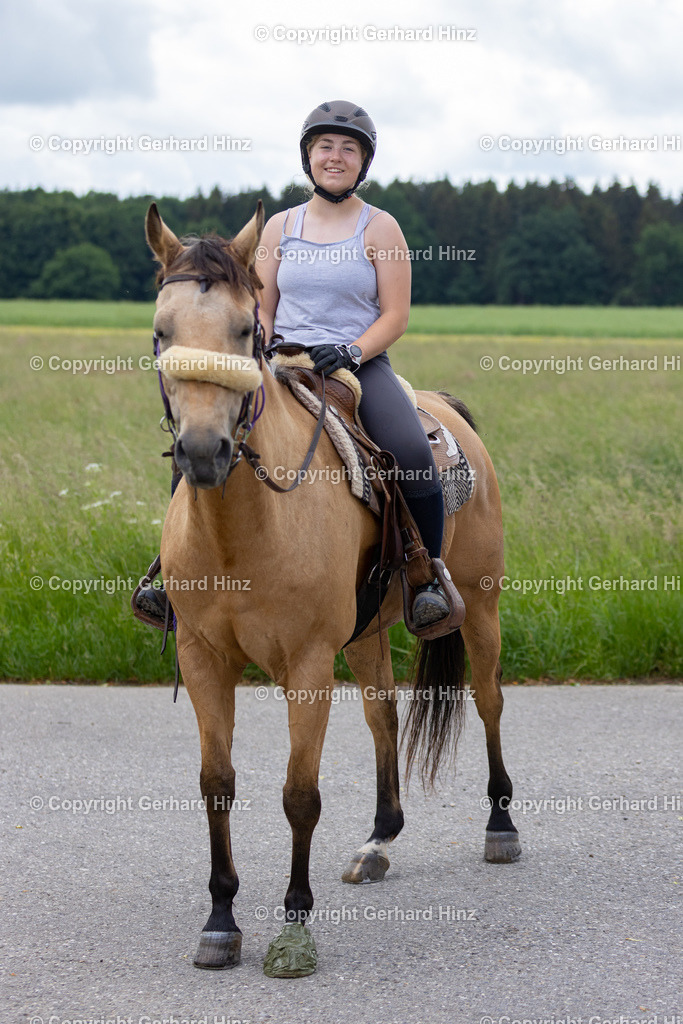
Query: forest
[{"x": 542, "y": 244}]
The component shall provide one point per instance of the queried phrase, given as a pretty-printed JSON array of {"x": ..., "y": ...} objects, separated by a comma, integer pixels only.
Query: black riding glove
[{"x": 328, "y": 358}]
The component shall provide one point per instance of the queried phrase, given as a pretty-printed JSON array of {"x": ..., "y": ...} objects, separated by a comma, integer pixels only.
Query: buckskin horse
[{"x": 305, "y": 553}]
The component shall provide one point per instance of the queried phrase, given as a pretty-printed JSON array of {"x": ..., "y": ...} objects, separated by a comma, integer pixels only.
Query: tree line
[{"x": 550, "y": 244}]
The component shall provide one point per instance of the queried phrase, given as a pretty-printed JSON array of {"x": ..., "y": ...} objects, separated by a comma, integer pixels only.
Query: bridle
[{"x": 253, "y": 402}]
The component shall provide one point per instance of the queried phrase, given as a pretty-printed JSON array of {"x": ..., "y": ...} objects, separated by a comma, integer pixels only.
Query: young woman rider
[{"x": 324, "y": 288}]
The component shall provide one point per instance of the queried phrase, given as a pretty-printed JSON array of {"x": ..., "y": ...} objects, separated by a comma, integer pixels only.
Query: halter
[{"x": 253, "y": 402}]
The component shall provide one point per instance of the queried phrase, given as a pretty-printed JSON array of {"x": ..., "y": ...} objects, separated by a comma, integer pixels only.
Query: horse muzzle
[{"x": 203, "y": 459}]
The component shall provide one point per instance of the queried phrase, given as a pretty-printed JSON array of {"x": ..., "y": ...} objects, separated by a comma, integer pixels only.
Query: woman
[{"x": 325, "y": 287}]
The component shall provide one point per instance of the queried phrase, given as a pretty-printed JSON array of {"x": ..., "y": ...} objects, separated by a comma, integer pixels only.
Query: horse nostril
[
  {"x": 204, "y": 459},
  {"x": 224, "y": 451}
]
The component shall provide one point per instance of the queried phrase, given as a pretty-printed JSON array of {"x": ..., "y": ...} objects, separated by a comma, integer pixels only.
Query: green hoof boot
[{"x": 292, "y": 954}]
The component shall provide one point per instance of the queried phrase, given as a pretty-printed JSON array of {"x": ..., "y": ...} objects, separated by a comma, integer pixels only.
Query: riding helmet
[{"x": 342, "y": 118}]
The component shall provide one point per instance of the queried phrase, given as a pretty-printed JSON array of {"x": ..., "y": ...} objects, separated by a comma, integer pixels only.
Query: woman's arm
[
  {"x": 386, "y": 248},
  {"x": 266, "y": 268}
]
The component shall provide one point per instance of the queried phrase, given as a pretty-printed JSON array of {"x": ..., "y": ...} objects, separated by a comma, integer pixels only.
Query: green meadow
[
  {"x": 579, "y": 409},
  {"x": 541, "y": 321}
]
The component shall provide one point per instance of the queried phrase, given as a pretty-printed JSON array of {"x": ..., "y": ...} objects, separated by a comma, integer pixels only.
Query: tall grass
[{"x": 589, "y": 463}]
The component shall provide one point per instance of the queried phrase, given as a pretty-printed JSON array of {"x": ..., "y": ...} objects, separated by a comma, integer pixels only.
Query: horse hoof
[
  {"x": 502, "y": 847},
  {"x": 292, "y": 954},
  {"x": 218, "y": 950},
  {"x": 366, "y": 867}
]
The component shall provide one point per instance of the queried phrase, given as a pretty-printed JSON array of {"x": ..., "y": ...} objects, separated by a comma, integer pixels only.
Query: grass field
[
  {"x": 539, "y": 321},
  {"x": 589, "y": 463}
]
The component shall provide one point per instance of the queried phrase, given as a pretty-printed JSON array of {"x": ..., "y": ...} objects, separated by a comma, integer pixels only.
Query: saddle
[{"x": 373, "y": 479}]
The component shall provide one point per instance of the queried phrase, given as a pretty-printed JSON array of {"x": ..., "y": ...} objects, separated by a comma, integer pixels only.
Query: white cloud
[
  {"x": 534, "y": 71},
  {"x": 68, "y": 49}
]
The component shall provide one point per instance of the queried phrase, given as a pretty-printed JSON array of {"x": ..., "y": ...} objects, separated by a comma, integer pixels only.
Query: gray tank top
[{"x": 328, "y": 290}]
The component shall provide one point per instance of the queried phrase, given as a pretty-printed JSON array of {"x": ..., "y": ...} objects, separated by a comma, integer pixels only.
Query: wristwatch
[{"x": 356, "y": 353}]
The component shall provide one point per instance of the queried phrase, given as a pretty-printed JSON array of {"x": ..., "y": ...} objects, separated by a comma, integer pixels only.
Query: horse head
[{"x": 206, "y": 326}]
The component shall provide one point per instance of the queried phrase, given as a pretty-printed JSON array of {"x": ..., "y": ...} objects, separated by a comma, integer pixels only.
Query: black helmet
[{"x": 342, "y": 118}]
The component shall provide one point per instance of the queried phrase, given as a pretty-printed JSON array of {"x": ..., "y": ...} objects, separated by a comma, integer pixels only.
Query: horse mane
[{"x": 210, "y": 257}]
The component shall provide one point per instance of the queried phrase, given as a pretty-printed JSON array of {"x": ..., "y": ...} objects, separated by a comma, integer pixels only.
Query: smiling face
[{"x": 336, "y": 161}]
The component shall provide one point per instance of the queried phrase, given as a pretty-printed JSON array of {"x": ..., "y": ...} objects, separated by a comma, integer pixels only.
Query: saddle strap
[
  {"x": 370, "y": 596},
  {"x": 254, "y": 459}
]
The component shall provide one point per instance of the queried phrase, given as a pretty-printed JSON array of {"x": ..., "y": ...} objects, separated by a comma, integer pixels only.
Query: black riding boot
[
  {"x": 152, "y": 601},
  {"x": 431, "y": 603}
]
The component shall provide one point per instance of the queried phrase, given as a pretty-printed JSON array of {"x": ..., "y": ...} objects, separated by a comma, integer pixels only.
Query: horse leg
[
  {"x": 375, "y": 675},
  {"x": 481, "y": 633},
  {"x": 213, "y": 696},
  {"x": 292, "y": 954}
]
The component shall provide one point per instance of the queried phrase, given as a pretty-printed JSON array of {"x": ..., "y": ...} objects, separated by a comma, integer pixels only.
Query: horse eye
[{"x": 245, "y": 333}]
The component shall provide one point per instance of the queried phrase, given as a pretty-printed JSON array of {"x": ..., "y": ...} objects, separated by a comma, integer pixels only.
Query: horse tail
[
  {"x": 460, "y": 408},
  {"x": 437, "y": 710}
]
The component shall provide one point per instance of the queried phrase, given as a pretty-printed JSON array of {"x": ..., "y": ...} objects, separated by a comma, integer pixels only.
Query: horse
[{"x": 304, "y": 553}]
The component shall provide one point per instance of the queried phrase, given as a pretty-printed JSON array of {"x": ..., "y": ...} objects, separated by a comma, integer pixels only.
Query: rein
[{"x": 253, "y": 403}]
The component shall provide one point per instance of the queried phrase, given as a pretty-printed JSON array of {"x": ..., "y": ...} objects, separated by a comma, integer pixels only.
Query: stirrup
[
  {"x": 448, "y": 623},
  {"x": 148, "y": 603}
]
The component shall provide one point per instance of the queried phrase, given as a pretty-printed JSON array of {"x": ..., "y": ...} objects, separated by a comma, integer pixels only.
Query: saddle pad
[{"x": 456, "y": 475}]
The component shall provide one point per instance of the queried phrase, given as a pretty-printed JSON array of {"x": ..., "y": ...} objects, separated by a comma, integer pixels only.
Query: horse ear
[
  {"x": 160, "y": 238},
  {"x": 243, "y": 246}
]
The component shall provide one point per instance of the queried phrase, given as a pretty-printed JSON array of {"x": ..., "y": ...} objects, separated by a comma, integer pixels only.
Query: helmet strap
[{"x": 331, "y": 197}]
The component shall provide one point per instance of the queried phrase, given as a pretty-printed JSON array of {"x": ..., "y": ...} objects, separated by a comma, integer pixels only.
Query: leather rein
[{"x": 253, "y": 403}]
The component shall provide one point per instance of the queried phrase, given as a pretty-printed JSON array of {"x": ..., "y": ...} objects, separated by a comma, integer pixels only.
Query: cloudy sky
[{"x": 488, "y": 79}]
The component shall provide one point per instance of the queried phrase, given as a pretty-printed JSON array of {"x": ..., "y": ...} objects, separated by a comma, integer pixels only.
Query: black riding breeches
[{"x": 391, "y": 421}]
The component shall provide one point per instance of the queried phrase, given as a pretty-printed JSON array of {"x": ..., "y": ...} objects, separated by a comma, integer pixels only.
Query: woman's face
[{"x": 336, "y": 161}]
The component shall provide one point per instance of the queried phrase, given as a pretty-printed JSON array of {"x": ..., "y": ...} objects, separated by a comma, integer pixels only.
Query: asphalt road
[{"x": 103, "y": 902}]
